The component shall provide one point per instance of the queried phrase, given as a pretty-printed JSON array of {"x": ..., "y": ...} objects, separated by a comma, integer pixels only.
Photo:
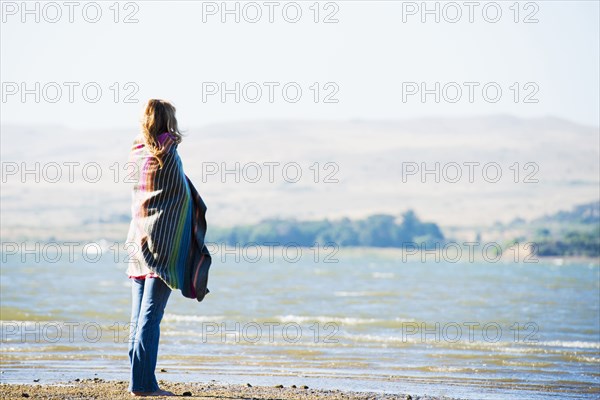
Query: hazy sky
[{"x": 375, "y": 54}]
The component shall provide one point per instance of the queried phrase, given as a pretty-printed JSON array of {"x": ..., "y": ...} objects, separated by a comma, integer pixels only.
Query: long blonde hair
[{"x": 158, "y": 118}]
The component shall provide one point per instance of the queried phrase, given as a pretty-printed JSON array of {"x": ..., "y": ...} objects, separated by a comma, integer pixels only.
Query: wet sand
[{"x": 101, "y": 389}]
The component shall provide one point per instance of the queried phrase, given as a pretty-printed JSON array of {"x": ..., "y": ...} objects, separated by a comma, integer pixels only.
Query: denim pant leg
[
  {"x": 137, "y": 291},
  {"x": 151, "y": 294}
]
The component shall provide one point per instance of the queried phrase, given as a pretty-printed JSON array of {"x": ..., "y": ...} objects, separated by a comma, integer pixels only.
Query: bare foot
[{"x": 159, "y": 392}]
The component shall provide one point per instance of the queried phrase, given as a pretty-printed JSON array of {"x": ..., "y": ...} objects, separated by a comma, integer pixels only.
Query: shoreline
[
  {"x": 450, "y": 253},
  {"x": 97, "y": 388}
]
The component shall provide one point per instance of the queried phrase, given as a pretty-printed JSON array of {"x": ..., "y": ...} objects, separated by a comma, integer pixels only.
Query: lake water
[{"x": 370, "y": 321}]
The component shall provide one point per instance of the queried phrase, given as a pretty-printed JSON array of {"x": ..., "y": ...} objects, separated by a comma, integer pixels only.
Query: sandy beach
[{"x": 100, "y": 389}]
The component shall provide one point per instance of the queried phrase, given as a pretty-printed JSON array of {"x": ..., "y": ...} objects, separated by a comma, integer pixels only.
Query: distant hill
[
  {"x": 566, "y": 233},
  {"x": 588, "y": 214},
  {"x": 353, "y": 168}
]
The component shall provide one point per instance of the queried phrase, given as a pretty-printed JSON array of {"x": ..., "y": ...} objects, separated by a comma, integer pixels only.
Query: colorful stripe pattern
[{"x": 168, "y": 225}]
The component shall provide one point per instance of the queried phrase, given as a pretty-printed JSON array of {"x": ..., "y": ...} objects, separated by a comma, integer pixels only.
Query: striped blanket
[{"x": 168, "y": 225}]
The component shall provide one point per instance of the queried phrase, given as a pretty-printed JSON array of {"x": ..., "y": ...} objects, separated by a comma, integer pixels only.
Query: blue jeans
[{"x": 149, "y": 298}]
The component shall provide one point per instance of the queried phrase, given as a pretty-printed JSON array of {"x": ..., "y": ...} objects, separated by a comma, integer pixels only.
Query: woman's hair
[{"x": 158, "y": 118}]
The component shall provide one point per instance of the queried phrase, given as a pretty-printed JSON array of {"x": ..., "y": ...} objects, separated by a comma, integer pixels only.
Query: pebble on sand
[{"x": 187, "y": 394}]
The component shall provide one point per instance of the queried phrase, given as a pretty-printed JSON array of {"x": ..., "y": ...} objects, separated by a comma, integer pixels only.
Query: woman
[{"x": 165, "y": 239}]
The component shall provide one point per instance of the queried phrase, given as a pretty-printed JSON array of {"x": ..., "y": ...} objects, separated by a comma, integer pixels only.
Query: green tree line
[{"x": 381, "y": 230}]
